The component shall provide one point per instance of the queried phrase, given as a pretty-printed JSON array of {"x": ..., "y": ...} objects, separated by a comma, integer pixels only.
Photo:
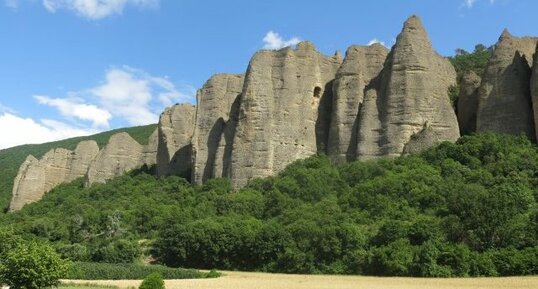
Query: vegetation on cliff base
[{"x": 464, "y": 209}]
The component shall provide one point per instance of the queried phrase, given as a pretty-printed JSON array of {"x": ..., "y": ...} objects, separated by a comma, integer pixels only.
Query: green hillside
[
  {"x": 464, "y": 209},
  {"x": 12, "y": 158}
]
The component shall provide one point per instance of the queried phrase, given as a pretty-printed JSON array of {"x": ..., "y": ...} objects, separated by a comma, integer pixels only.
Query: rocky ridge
[{"x": 295, "y": 102}]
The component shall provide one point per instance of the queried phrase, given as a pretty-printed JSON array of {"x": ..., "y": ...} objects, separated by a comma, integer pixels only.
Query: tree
[
  {"x": 32, "y": 266},
  {"x": 152, "y": 281}
]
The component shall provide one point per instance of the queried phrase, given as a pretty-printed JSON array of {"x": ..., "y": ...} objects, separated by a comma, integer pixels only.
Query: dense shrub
[
  {"x": 99, "y": 271},
  {"x": 152, "y": 281},
  {"x": 459, "y": 209}
]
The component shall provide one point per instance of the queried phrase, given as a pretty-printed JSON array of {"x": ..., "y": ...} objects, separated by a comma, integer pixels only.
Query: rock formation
[
  {"x": 176, "y": 126},
  {"x": 284, "y": 112},
  {"x": 410, "y": 101},
  {"x": 361, "y": 66},
  {"x": 295, "y": 102},
  {"x": 121, "y": 154},
  {"x": 468, "y": 102},
  {"x": 534, "y": 89},
  {"x": 505, "y": 102},
  {"x": 214, "y": 129},
  {"x": 36, "y": 177}
]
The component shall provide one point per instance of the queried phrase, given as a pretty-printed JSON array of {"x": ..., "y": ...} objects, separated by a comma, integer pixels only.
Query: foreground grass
[
  {"x": 71, "y": 285},
  {"x": 244, "y": 280}
]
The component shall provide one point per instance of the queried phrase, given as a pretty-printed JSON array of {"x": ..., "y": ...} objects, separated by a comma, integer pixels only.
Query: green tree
[
  {"x": 32, "y": 266},
  {"x": 152, "y": 281}
]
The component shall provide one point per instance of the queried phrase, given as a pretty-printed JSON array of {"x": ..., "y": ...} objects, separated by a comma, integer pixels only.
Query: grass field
[
  {"x": 243, "y": 280},
  {"x": 70, "y": 285}
]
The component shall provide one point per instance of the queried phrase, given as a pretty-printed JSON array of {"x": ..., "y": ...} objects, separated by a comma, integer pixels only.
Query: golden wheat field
[{"x": 244, "y": 280}]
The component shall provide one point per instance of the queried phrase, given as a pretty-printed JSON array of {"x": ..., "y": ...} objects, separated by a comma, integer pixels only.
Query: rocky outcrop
[
  {"x": 36, "y": 177},
  {"x": 505, "y": 102},
  {"x": 361, "y": 66},
  {"x": 216, "y": 119},
  {"x": 468, "y": 102},
  {"x": 176, "y": 127},
  {"x": 534, "y": 89},
  {"x": 411, "y": 94},
  {"x": 284, "y": 112},
  {"x": 121, "y": 154}
]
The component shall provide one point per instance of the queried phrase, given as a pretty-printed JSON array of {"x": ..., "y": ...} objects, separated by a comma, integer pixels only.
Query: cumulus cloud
[
  {"x": 96, "y": 9},
  {"x": 76, "y": 108},
  {"x": 136, "y": 96},
  {"x": 375, "y": 40},
  {"x": 273, "y": 40},
  {"x": 28, "y": 131}
]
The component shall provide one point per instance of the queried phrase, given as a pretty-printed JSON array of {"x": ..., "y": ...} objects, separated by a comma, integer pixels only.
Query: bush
[
  {"x": 32, "y": 266},
  {"x": 152, "y": 281},
  {"x": 99, "y": 271}
]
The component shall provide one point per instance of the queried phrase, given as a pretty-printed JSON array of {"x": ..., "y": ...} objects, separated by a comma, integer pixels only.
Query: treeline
[{"x": 464, "y": 209}]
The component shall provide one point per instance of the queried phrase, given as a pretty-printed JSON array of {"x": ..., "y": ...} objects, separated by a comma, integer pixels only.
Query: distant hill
[{"x": 12, "y": 158}]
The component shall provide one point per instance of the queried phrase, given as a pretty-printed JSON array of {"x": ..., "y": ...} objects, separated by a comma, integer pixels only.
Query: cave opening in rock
[{"x": 317, "y": 92}]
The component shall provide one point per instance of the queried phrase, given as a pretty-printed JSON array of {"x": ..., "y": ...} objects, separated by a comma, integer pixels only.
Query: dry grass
[{"x": 243, "y": 280}]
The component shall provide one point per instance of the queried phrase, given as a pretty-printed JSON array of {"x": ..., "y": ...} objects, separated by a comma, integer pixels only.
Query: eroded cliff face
[
  {"x": 504, "y": 96},
  {"x": 410, "y": 101},
  {"x": 216, "y": 120},
  {"x": 468, "y": 102},
  {"x": 354, "y": 78},
  {"x": 285, "y": 111},
  {"x": 121, "y": 154},
  {"x": 174, "y": 153},
  {"x": 36, "y": 177}
]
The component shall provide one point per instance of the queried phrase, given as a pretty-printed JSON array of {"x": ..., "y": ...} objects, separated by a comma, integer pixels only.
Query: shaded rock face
[
  {"x": 285, "y": 111},
  {"x": 468, "y": 102},
  {"x": 174, "y": 142},
  {"x": 361, "y": 66},
  {"x": 214, "y": 129},
  {"x": 121, "y": 154},
  {"x": 534, "y": 89},
  {"x": 411, "y": 93},
  {"x": 36, "y": 177},
  {"x": 505, "y": 101}
]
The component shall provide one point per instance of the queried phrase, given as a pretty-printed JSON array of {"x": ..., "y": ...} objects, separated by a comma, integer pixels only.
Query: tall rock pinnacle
[
  {"x": 505, "y": 101},
  {"x": 410, "y": 109},
  {"x": 285, "y": 110}
]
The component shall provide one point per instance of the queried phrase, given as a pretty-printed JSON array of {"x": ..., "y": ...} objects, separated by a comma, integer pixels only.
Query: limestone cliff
[
  {"x": 284, "y": 111},
  {"x": 410, "y": 101},
  {"x": 176, "y": 127},
  {"x": 505, "y": 101},
  {"x": 121, "y": 154},
  {"x": 36, "y": 177},
  {"x": 361, "y": 66},
  {"x": 468, "y": 102},
  {"x": 214, "y": 129}
]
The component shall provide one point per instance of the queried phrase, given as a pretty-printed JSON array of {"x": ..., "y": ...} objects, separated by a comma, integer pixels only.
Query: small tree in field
[
  {"x": 32, "y": 266},
  {"x": 152, "y": 281}
]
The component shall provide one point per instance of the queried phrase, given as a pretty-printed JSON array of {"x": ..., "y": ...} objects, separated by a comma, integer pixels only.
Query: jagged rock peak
[
  {"x": 468, "y": 102},
  {"x": 504, "y": 96},
  {"x": 355, "y": 76},
  {"x": 176, "y": 127},
  {"x": 412, "y": 91},
  {"x": 216, "y": 120},
  {"x": 284, "y": 112}
]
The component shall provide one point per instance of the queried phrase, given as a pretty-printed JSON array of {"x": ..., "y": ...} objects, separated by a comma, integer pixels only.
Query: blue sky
[{"x": 75, "y": 67}]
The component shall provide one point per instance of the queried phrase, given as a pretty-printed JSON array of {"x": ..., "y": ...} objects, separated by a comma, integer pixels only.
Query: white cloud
[
  {"x": 76, "y": 108},
  {"x": 28, "y": 131},
  {"x": 96, "y": 9},
  {"x": 14, "y": 4},
  {"x": 136, "y": 96},
  {"x": 4, "y": 108},
  {"x": 273, "y": 40},
  {"x": 375, "y": 40},
  {"x": 470, "y": 3}
]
